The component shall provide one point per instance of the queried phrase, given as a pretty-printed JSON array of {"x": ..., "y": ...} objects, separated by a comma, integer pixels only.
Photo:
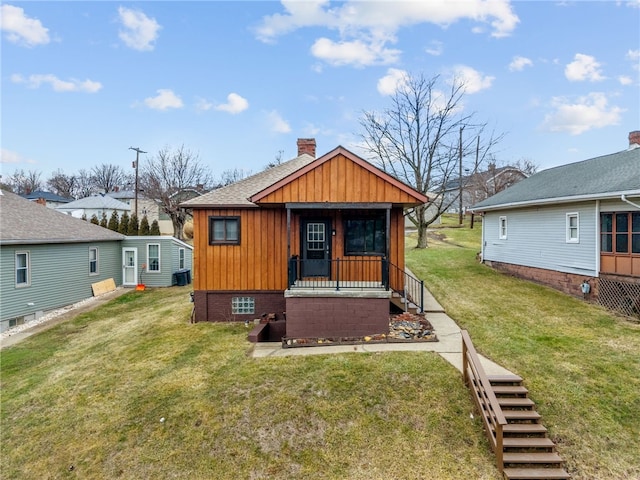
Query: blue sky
[{"x": 238, "y": 82}]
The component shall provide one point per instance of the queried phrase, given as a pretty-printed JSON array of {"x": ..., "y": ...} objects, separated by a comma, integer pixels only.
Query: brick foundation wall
[
  {"x": 215, "y": 306},
  {"x": 314, "y": 317},
  {"x": 568, "y": 283}
]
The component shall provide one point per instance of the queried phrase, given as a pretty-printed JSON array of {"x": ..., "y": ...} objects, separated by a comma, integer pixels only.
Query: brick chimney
[
  {"x": 634, "y": 139},
  {"x": 308, "y": 146},
  {"x": 41, "y": 201}
]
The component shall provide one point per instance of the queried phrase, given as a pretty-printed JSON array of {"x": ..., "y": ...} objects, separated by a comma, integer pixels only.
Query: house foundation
[
  {"x": 326, "y": 313},
  {"x": 216, "y": 306}
]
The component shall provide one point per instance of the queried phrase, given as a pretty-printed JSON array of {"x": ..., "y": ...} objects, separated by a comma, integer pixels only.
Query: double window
[
  {"x": 573, "y": 228},
  {"x": 23, "y": 269},
  {"x": 224, "y": 230},
  {"x": 620, "y": 233},
  {"x": 502, "y": 222},
  {"x": 153, "y": 257},
  {"x": 365, "y": 236}
]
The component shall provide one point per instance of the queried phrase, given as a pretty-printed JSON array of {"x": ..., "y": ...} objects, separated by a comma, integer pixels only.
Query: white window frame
[
  {"x": 27, "y": 268},
  {"x": 243, "y": 305},
  {"x": 502, "y": 227},
  {"x": 181, "y": 258},
  {"x": 92, "y": 260},
  {"x": 149, "y": 270},
  {"x": 569, "y": 228}
]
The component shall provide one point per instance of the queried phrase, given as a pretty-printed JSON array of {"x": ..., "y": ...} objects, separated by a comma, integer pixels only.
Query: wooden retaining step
[
  {"x": 535, "y": 474},
  {"x": 532, "y": 457},
  {"x": 519, "y": 402},
  {"x": 521, "y": 415},
  {"x": 513, "y": 390},
  {"x": 528, "y": 442},
  {"x": 521, "y": 429},
  {"x": 505, "y": 379}
]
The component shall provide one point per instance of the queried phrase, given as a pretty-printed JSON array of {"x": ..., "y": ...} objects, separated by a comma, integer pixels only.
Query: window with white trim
[
  {"x": 153, "y": 257},
  {"x": 23, "y": 270},
  {"x": 243, "y": 305},
  {"x": 181, "y": 258},
  {"x": 503, "y": 227},
  {"x": 93, "y": 261},
  {"x": 573, "y": 228}
]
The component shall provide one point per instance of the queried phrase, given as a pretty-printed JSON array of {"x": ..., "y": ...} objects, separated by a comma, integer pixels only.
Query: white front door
[{"x": 129, "y": 266}]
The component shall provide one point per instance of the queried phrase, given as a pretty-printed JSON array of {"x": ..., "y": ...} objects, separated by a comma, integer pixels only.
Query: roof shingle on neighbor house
[
  {"x": 46, "y": 196},
  {"x": 25, "y": 222},
  {"x": 103, "y": 202},
  {"x": 608, "y": 176}
]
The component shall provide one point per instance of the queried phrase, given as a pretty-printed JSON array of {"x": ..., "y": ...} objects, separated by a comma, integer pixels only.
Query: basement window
[
  {"x": 243, "y": 305},
  {"x": 224, "y": 230}
]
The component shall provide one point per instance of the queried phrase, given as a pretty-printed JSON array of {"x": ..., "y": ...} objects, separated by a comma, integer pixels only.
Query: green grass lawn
[
  {"x": 86, "y": 398},
  {"x": 580, "y": 362}
]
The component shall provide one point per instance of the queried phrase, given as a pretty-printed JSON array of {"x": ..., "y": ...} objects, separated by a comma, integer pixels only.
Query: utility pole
[
  {"x": 135, "y": 165},
  {"x": 460, "y": 217}
]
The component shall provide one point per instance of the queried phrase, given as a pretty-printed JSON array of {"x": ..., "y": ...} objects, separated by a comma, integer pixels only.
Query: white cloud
[
  {"x": 473, "y": 80},
  {"x": 58, "y": 85},
  {"x": 21, "y": 29},
  {"x": 366, "y": 28},
  {"x": 140, "y": 32},
  {"x": 519, "y": 63},
  {"x": 393, "y": 80},
  {"x": 435, "y": 48},
  {"x": 625, "y": 80},
  {"x": 634, "y": 56},
  {"x": 276, "y": 123},
  {"x": 7, "y": 156},
  {"x": 235, "y": 104},
  {"x": 357, "y": 53},
  {"x": 165, "y": 100},
  {"x": 584, "y": 67},
  {"x": 584, "y": 114}
]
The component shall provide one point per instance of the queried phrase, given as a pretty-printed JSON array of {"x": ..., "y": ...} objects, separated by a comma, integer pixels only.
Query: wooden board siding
[
  {"x": 339, "y": 180},
  {"x": 259, "y": 262},
  {"x": 59, "y": 275}
]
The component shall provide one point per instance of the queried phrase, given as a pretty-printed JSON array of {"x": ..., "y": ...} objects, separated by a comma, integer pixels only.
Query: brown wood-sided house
[{"x": 321, "y": 239}]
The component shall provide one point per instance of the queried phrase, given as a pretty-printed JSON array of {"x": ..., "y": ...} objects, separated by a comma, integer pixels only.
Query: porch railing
[
  {"x": 340, "y": 273},
  {"x": 413, "y": 288}
]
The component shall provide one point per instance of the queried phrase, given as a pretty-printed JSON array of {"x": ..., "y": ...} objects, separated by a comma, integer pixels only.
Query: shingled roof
[
  {"x": 23, "y": 222},
  {"x": 608, "y": 176},
  {"x": 237, "y": 194}
]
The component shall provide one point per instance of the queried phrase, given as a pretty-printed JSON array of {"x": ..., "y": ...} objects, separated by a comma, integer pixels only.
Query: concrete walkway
[{"x": 449, "y": 345}]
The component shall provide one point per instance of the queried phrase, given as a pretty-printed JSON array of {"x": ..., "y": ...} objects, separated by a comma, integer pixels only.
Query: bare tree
[
  {"x": 85, "y": 184},
  {"x": 232, "y": 175},
  {"x": 64, "y": 185},
  {"x": 423, "y": 139},
  {"x": 498, "y": 176},
  {"x": 167, "y": 176},
  {"x": 25, "y": 182},
  {"x": 107, "y": 176}
]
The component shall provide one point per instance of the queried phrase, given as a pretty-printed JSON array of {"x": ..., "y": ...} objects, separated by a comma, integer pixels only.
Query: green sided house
[
  {"x": 49, "y": 259},
  {"x": 317, "y": 243}
]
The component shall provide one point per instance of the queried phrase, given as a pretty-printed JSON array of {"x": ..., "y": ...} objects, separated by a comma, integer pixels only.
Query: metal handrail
[
  {"x": 413, "y": 288},
  {"x": 341, "y": 273}
]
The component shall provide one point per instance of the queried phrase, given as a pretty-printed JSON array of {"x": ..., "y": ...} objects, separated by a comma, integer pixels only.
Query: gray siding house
[
  {"x": 575, "y": 227},
  {"x": 49, "y": 259}
]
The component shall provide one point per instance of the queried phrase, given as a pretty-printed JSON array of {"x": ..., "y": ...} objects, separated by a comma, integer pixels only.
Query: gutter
[
  {"x": 555, "y": 200},
  {"x": 624, "y": 199}
]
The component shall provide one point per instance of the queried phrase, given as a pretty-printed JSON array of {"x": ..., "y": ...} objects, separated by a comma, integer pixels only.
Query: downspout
[
  {"x": 484, "y": 217},
  {"x": 624, "y": 199},
  {"x": 598, "y": 239}
]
